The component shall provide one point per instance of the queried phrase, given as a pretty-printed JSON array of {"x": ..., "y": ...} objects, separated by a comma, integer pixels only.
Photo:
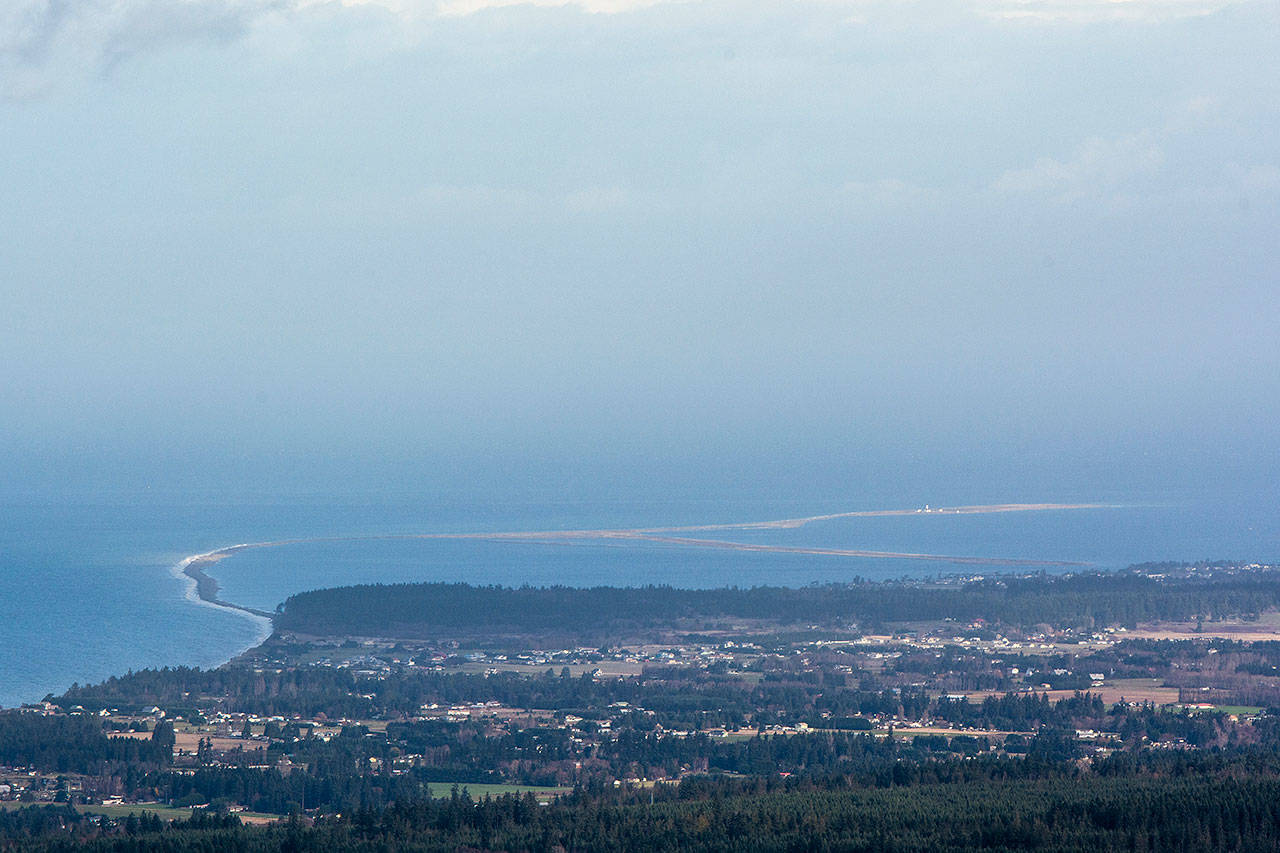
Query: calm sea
[{"x": 88, "y": 590}]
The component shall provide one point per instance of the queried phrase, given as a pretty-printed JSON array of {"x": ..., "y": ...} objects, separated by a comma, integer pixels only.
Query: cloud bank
[
  {"x": 809, "y": 233},
  {"x": 44, "y": 42}
]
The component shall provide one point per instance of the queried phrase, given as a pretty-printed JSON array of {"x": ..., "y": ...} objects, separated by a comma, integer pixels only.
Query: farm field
[
  {"x": 477, "y": 790},
  {"x": 1120, "y": 689},
  {"x": 1265, "y": 628},
  {"x": 159, "y": 809}
]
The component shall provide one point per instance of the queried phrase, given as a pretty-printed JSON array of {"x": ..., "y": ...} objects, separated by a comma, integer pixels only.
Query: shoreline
[
  {"x": 206, "y": 587},
  {"x": 203, "y": 589}
]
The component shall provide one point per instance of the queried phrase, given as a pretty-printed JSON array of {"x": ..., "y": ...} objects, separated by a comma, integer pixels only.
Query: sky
[{"x": 997, "y": 249}]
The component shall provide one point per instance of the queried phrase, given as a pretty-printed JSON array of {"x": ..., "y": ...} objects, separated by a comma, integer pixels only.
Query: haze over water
[
  {"x": 303, "y": 269},
  {"x": 91, "y": 592}
]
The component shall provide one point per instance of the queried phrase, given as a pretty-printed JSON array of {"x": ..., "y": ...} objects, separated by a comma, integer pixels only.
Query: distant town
[{"x": 697, "y": 685}]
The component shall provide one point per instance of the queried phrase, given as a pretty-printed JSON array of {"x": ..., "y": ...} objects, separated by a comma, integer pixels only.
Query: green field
[
  {"x": 440, "y": 790},
  {"x": 738, "y": 737},
  {"x": 125, "y": 809},
  {"x": 160, "y": 810}
]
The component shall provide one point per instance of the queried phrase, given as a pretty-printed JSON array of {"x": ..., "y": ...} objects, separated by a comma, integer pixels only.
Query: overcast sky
[{"x": 1023, "y": 246}]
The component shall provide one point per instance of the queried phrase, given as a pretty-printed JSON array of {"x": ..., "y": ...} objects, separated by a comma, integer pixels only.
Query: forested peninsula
[{"x": 1080, "y": 600}]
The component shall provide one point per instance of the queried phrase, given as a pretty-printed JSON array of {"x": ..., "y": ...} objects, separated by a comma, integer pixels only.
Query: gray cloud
[
  {"x": 44, "y": 41},
  {"x": 695, "y": 222}
]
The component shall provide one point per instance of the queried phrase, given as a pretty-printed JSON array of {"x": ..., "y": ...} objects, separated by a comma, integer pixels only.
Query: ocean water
[{"x": 89, "y": 590}]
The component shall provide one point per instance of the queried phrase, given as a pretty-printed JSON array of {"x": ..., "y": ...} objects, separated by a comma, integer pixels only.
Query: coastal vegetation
[
  {"x": 1202, "y": 813},
  {"x": 454, "y": 717},
  {"x": 1082, "y": 600}
]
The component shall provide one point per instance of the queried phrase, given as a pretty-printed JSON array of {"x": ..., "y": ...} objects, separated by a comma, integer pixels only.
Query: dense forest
[
  {"x": 1086, "y": 600},
  {"x": 77, "y": 744},
  {"x": 1206, "y": 812}
]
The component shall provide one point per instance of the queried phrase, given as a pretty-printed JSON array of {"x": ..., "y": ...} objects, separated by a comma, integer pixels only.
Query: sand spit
[
  {"x": 204, "y": 588},
  {"x": 792, "y": 523},
  {"x": 847, "y": 552},
  {"x": 655, "y": 533}
]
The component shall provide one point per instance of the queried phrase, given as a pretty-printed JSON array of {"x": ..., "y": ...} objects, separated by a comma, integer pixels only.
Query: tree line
[{"x": 1086, "y": 600}]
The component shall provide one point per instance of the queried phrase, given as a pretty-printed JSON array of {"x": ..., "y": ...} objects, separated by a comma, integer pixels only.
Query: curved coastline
[
  {"x": 202, "y": 588},
  {"x": 665, "y": 535}
]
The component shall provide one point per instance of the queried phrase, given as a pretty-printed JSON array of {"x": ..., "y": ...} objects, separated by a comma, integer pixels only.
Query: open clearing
[
  {"x": 1121, "y": 689},
  {"x": 1266, "y": 627},
  {"x": 945, "y": 732},
  {"x": 161, "y": 810},
  {"x": 608, "y": 669},
  {"x": 476, "y": 790},
  {"x": 189, "y": 741}
]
